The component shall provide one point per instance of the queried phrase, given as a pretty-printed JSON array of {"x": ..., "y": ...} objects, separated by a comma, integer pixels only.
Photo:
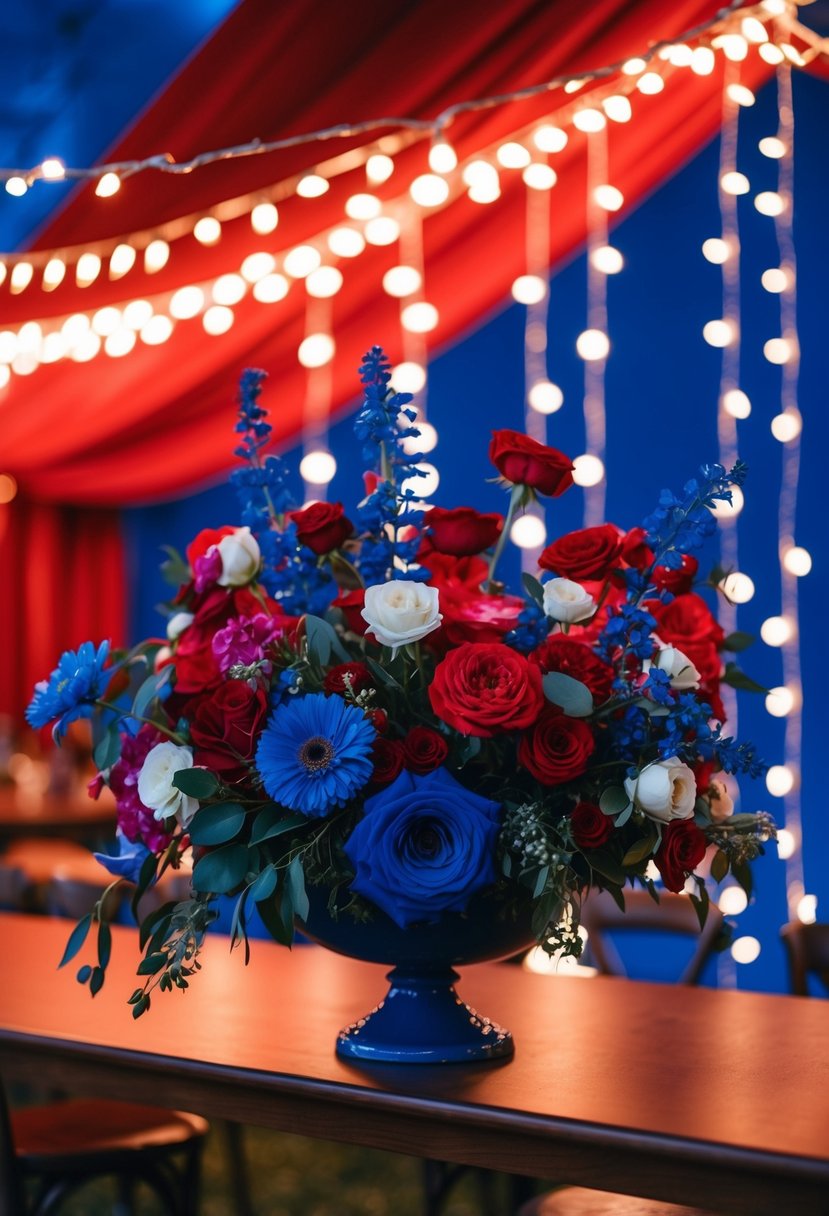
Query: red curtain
[{"x": 117, "y": 431}]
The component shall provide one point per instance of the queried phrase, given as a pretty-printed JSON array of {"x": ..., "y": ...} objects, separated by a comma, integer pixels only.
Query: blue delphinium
[
  {"x": 682, "y": 524},
  {"x": 532, "y": 628},
  {"x": 315, "y": 753},
  {"x": 72, "y": 689}
]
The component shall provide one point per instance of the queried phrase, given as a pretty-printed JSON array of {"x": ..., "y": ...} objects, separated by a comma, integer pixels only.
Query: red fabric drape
[{"x": 117, "y": 431}]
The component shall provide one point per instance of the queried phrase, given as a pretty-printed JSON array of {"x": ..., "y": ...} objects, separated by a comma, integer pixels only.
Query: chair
[
  {"x": 63, "y": 1145},
  {"x": 14, "y": 888},
  {"x": 807, "y": 950}
]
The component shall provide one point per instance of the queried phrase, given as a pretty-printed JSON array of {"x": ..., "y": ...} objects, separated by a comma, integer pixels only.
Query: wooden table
[
  {"x": 720, "y": 1099},
  {"x": 73, "y": 816}
]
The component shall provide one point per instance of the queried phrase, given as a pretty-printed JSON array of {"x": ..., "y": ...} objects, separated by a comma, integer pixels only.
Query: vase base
[{"x": 422, "y": 1020}]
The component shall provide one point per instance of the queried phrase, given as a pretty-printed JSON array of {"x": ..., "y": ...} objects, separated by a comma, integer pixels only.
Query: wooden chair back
[
  {"x": 807, "y": 950},
  {"x": 73, "y": 897},
  {"x": 674, "y": 914},
  {"x": 14, "y": 887}
]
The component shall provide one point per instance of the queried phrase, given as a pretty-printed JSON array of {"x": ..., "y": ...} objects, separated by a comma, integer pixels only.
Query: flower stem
[
  {"x": 165, "y": 730},
  {"x": 516, "y": 496}
]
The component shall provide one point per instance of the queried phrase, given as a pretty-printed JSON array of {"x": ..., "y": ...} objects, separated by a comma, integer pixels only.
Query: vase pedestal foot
[{"x": 422, "y": 1020}]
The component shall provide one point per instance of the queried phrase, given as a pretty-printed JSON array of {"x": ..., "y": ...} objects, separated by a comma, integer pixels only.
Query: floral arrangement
[{"x": 359, "y": 705}]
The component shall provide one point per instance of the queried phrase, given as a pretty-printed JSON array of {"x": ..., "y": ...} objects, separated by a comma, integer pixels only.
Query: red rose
[
  {"x": 389, "y": 758},
  {"x": 557, "y": 748},
  {"x": 323, "y": 526},
  {"x": 225, "y": 728},
  {"x": 525, "y": 462},
  {"x": 680, "y": 581},
  {"x": 485, "y": 688},
  {"x": 205, "y": 540},
  {"x": 576, "y": 659},
  {"x": 587, "y": 553},
  {"x": 379, "y": 719},
  {"x": 195, "y": 663},
  {"x": 350, "y": 604},
  {"x": 353, "y": 677},
  {"x": 682, "y": 849},
  {"x": 425, "y": 749},
  {"x": 635, "y": 550},
  {"x": 463, "y": 531},
  {"x": 688, "y": 624},
  {"x": 471, "y": 617},
  {"x": 591, "y": 828}
]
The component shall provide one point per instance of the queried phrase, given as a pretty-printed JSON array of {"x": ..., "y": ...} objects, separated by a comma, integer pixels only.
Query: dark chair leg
[
  {"x": 191, "y": 1180},
  {"x": 126, "y": 1194},
  {"x": 237, "y": 1168},
  {"x": 438, "y": 1179}
]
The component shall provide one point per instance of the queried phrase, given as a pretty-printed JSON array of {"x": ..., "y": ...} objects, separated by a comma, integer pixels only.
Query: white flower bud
[
  {"x": 664, "y": 790},
  {"x": 567, "y": 601}
]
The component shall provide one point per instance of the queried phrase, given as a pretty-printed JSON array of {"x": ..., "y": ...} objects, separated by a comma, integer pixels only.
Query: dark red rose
[
  {"x": 425, "y": 749},
  {"x": 703, "y": 772},
  {"x": 688, "y": 624},
  {"x": 196, "y": 667},
  {"x": 680, "y": 581},
  {"x": 322, "y": 527},
  {"x": 389, "y": 758},
  {"x": 353, "y": 677},
  {"x": 525, "y": 462},
  {"x": 379, "y": 719},
  {"x": 575, "y": 658},
  {"x": 682, "y": 849},
  {"x": 350, "y": 604},
  {"x": 448, "y": 571},
  {"x": 225, "y": 728},
  {"x": 463, "y": 531},
  {"x": 486, "y": 688},
  {"x": 635, "y": 550},
  {"x": 587, "y": 553},
  {"x": 557, "y": 748},
  {"x": 205, "y": 540},
  {"x": 591, "y": 828}
]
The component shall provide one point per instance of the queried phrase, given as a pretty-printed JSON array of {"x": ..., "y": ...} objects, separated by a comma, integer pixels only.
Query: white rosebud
[
  {"x": 400, "y": 611},
  {"x": 240, "y": 558},
  {"x": 721, "y": 802},
  {"x": 162, "y": 658},
  {"x": 567, "y": 601},
  {"x": 664, "y": 790},
  {"x": 178, "y": 623},
  {"x": 679, "y": 667},
  {"x": 155, "y": 783}
]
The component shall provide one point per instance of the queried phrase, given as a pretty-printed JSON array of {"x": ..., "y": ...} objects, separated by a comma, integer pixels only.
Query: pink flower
[
  {"x": 207, "y": 569},
  {"x": 244, "y": 640},
  {"x": 136, "y": 820}
]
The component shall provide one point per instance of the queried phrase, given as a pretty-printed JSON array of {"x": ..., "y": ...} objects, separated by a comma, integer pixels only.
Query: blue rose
[{"x": 423, "y": 847}]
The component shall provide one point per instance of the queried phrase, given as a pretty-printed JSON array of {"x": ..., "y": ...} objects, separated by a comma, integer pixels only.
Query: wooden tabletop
[
  {"x": 74, "y": 815},
  {"x": 691, "y": 1095}
]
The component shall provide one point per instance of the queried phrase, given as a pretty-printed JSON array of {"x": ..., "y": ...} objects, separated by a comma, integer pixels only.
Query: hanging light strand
[
  {"x": 537, "y": 242},
  {"x": 595, "y": 427}
]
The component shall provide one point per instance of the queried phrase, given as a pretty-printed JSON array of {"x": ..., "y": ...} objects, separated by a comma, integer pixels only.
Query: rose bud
[
  {"x": 322, "y": 527},
  {"x": 567, "y": 601},
  {"x": 463, "y": 531},
  {"x": 589, "y": 553},
  {"x": 525, "y": 462},
  {"x": 664, "y": 790}
]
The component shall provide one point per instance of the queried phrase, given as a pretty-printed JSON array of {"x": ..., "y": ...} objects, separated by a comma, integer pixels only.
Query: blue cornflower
[
  {"x": 315, "y": 753},
  {"x": 71, "y": 690}
]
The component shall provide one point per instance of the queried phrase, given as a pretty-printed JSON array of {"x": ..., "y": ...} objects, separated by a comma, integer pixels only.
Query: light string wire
[
  {"x": 595, "y": 426},
  {"x": 537, "y": 245}
]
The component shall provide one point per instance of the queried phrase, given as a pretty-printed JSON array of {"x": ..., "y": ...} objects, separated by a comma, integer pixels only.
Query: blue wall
[{"x": 662, "y": 387}]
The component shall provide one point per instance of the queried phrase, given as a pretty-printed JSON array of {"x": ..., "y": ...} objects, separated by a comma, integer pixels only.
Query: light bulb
[
  {"x": 771, "y": 53},
  {"x": 119, "y": 343},
  {"x": 780, "y": 701},
  {"x": 429, "y": 190},
  {"x": 753, "y": 30},
  {"x": 85, "y": 347},
  {"x": 53, "y": 169},
  {"x": 484, "y": 194},
  {"x": 592, "y": 345},
  {"x": 588, "y": 470},
  {"x": 408, "y": 377},
  {"x": 618, "y": 108},
  {"x": 425, "y": 442},
  {"x": 732, "y": 901},
  {"x": 480, "y": 173},
  {"x": 301, "y": 260},
  {"x": 807, "y": 909},
  {"x": 719, "y": 333},
  {"x": 318, "y": 468},
  {"x": 419, "y": 318},
  {"x": 745, "y": 949},
  {"x": 423, "y": 486},
  {"x": 716, "y": 250},
  {"x": 775, "y": 280},
  {"x": 382, "y": 231},
  {"x": 609, "y": 198},
  {"x": 737, "y": 587},
  {"x": 513, "y": 155},
  {"x": 263, "y": 218},
  {"x": 769, "y": 202},
  {"x": 25, "y": 363},
  {"x": 539, "y": 177},
  {"x": 650, "y": 84},
  {"x": 548, "y": 138},
  {"x": 703, "y": 61},
  {"x": 442, "y": 157},
  {"x": 5, "y": 377},
  {"x": 316, "y": 350},
  {"x": 121, "y": 260},
  {"x": 792, "y": 54},
  {"x": 53, "y": 273},
  {"x": 87, "y": 269},
  {"x": 107, "y": 185},
  {"x": 589, "y": 120},
  {"x": 728, "y": 510},
  {"x": 772, "y": 147},
  {"x": 734, "y": 183},
  {"x": 776, "y": 630},
  {"x": 606, "y": 259},
  {"x": 8, "y": 345},
  {"x": 379, "y": 168},
  {"x": 54, "y": 347},
  {"x": 632, "y": 67},
  {"x": 8, "y": 488},
  {"x": 362, "y": 207},
  {"x": 21, "y": 277},
  {"x": 733, "y": 46},
  {"x": 312, "y": 186},
  {"x": 529, "y": 289},
  {"x": 786, "y": 844},
  {"x": 324, "y": 283},
  {"x": 228, "y": 289},
  {"x": 137, "y": 313},
  {"x": 573, "y": 86},
  {"x": 787, "y": 426},
  {"x": 157, "y": 330},
  {"x": 528, "y": 532},
  {"x": 401, "y": 281},
  {"x": 681, "y": 55},
  {"x": 256, "y": 266},
  {"x": 545, "y": 397},
  {"x": 271, "y": 289},
  {"x": 75, "y": 327},
  {"x": 217, "y": 319},
  {"x": 186, "y": 302},
  {"x": 797, "y": 561},
  {"x": 16, "y": 186},
  {"x": 778, "y": 350},
  {"x": 741, "y": 94},
  {"x": 780, "y": 780},
  {"x": 775, "y": 8},
  {"x": 346, "y": 242},
  {"x": 106, "y": 320},
  {"x": 155, "y": 256},
  {"x": 736, "y": 403},
  {"x": 207, "y": 230},
  {"x": 29, "y": 338}
]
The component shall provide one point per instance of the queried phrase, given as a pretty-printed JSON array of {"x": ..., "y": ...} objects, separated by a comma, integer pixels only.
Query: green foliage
[
  {"x": 571, "y": 696},
  {"x": 221, "y": 870},
  {"x": 196, "y": 783},
  {"x": 217, "y": 823},
  {"x": 274, "y": 821},
  {"x": 76, "y": 939},
  {"x": 175, "y": 570},
  {"x": 737, "y": 641},
  {"x": 738, "y": 679},
  {"x": 613, "y": 800},
  {"x": 323, "y": 640}
]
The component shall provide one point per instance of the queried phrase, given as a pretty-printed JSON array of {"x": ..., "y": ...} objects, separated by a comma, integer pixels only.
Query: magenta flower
[
  {"x": 135, "y": 820},
  {"x": 245, "y": 640}
]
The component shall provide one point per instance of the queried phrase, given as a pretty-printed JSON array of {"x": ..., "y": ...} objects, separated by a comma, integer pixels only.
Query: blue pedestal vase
[{"x": 422, "y": 1020}]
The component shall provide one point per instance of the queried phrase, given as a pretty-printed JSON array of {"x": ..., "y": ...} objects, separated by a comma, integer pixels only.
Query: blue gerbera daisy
[
  {"x": 72, "y": 688},
  {"x": 315, "y": 753}
]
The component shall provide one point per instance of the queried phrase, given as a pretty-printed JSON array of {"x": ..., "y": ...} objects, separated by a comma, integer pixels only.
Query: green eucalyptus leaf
[
  {"x": 625, "y": 816},
  {"x": 737, "y": 641},
  {"x": 104, "y": 944},
  {"x": 175, "y": 569},
  {"x": 108, "y": 749},
  {"x": 76, "y": 939},
  {"x": 152, "y": 963},
  {"x": 738, "y": 679},
  {"x": 84, "y": 973},
  {"x": 274, "y": 820},
  {"x": 639, "y": 851},
  {"x": 96, "y": 980},
  {"x": 216, "y": 824},
  {"x": 607, "y": 867},
  {"x": 264, "y": 886},
  {"x": 149, "y": 690},
  {"x": 221, "y": 870},
  {"x": 571, "y": 696},
  {"x": 323, "y": 641},
  {"x": 533, "y": 588},
  {"x": 613, "y": 800},
  {"x": 196, "y": 782},
  {"x": 719, "y": 866},
  {"x": 384, "y": 676},
  {"x": 296, "y": 882}
]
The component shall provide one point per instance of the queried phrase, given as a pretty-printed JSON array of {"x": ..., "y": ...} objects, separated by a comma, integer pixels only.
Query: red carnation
[
  {"x": 590, "y": 827},
  {"x": 463, "y": 531},
  {"x": 348, "y": 677},
  {"x": 485, "y": 688},
  {"x": 682, "y": 849},
  {"x": 389, "y": 758},
  {"x": 576, "y": 659},
  {"x": 557, "y": 748},
  {"x": 587, "y": 553},
  {"x": 225, "y": 728},
  {"x": 323, "y": 526},
  {"x": 525, "y": 462},
  {"x": 425, "y": 749}
]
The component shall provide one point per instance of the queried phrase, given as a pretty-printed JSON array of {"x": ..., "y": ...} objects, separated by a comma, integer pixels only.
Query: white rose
[
  {"x": 679, "y": 667},
  {"x": 400, "y": 611},
  {"x": 721, "y": 802},
  {"x": 567, "y": 601},
  {"x": 178, "y": 623},
  {"x": 240, "y": 558},
  {"x": 155, "y": 783},
  {"x": 162, "y": 658},
  {"x": 664, "y": 790}
]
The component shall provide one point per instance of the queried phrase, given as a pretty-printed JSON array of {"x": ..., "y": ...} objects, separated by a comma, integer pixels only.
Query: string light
[
  {"x": 513, "y": 155},
  {"x": 588, "y": 470},
  {"x": 732, "y": 901},
  {"x": 734, "y": 183},
  {"x": 539, "y": 177},
  {"x": 107, "y": 185},
  {"x": 729, "y": 510},
  {"x": 318, "y": 468},
  {"x": 772, "y": 147},
  {"x": 780, "y": 701},
  {"x": 52, "y": 169},
  {"x": 741, "y": 94},
  {"x": 606, "y": 259},
  {"x": 228, "y": 289},
  {"x": 207, "y": 230},
  {"x": 87, "y": 269},
  {"x": 775, "y": 280},
  {"x": 256, "y": 266},
  {"x": 301, "y": 260},
  {"x": 776, "y": 630},
  {"x": 429, "y": 190},
  {"x": 736, "y": 403},
  {"x": 807, "y": 909},
  {"x": 384, "y": 230},
  {"x": 786, "y": 844},
  {"x": 121, "y": 261},
  {"x": 769, "y": 202},
  {"x": 316, "y": 350},
  {"x": 106, "y": 321},
  {"x": 733, "y": 46},
  {"x": 618, "y": 108},
  {"x": 632, "y": 67},
  {"x": 346, "y": 242},
  {"x": 408, "y": 377},
  {"x": 312, "y": 186},
  {"x": 119, "y": 343},
  {"x": 442, "y": 157},
  {"x": 609, "y": 198},
  {"x": 778, "y": 350},
  {"x": 703, "y": 61},
  {"x": 545, "y": 397},
  {"x": 157, "y": 330},
  {"x": 324, "y": 283},
  {"x": 719, "y": 333},
  {"x": 745, "y": 950},
  {"x": 737, "y": 587},
  {"x": 137, "y": 313},
  {"x": 16, "y": 186},
  {"x": 271, "y": 289},
  {"x": 362, "y": 207},
  {"x": 587, "y": 120},
  {"x": 548, "y": 138},
  {"x": 218, "y": 319},
  {"x": 771, "y": 53},
  {"x": 716, "y": 250},
  {"x": 379, "y": 168},
  {"x": 264, "y": 218},
  {"x": 21, "y": 277},
  {"x": 786, "y": 426},
  {"x": 797, "y": 561},
  {"x": 592, "y": 345},
  {"x": 402, "y": 281},
  {"x": 53, "y": 274},
  {"x": 529, "y": 289},
  {"x": 156, "y": 256},
  {"x": 419, "y": 318},
  {"x": 185, "y": 303},
  {"x": 780, "y": 780},
  {"x": 528, "y": 532},
  {"x": 753, "y": 30},
  {"x": 650, "y": 84}
]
